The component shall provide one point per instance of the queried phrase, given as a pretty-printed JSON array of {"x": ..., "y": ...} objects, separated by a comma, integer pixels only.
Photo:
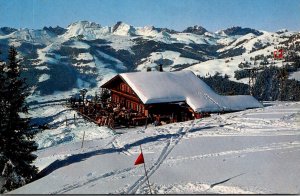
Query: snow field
[
  {"x": 252, "y": 151},
  {"x": 80, "y": 45},
  {"x": 193, "y": 38},
  {"x": 171, "y": 55},
  {"x": 44, "y": 77},
  {"x": 295, "y": 75},
  {"x": 84, "y": 56},
  {"x": 230, "y": 65}
]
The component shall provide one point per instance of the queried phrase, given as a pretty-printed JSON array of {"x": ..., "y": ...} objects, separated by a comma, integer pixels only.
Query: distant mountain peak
[
  {"x": 84, "y": 24},
  {"x": 170, "y": 31},
  {"x": 121, "y": 28},
  {"x": 237, "y": 30},
  {"x": 280, "y": 31},
  {"x": 57, "y": 30},
  {"x": 115, "y": 27},
  {"x": 89, "y": 30},
  {"x": 199, "y": 30},
  {"x": 7, "y": 30}
]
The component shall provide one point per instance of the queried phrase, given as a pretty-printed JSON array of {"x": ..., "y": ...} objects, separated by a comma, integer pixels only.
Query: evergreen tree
[
  {"x": 2, "y": 116},
  {"x": 16, "y": 145},
  {"x": 224, "y": 86},
  {"x": 2, "y": 79}
]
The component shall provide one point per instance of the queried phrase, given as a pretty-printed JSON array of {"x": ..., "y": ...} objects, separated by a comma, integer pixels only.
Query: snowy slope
[
  {"x": 228, "y": 65},
  {"x": 148, "y": 31},
  {"x": 248, "y": 41},
  {"x": 123, "y": 29},
  {"x": 295, "y": 75},
  {"x": 30, "y": 35},
  {"x": 253, "y": 151},
  {"x": 174, "y": 57}
]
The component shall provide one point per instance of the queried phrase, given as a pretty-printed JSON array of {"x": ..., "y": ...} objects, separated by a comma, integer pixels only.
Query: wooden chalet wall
[{"x": 121, "y": 93}]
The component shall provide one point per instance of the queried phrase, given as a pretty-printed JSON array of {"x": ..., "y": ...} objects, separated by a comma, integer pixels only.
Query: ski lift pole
[
  {"x": 146, "y": 124},
  {"x": 146, "y": 172},
  {"x": 83, "y": 139}
]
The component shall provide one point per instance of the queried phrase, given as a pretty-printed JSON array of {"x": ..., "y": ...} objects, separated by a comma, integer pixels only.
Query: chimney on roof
[{"x": 160, "y": 68}]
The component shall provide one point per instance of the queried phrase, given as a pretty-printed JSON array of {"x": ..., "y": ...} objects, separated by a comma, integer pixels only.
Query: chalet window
[
  {"x": 128, "y": 89},
  {"x": 132, "y": 106},
  {"x": 122, "y": 87},
  {"x": 142, "y": 108}
]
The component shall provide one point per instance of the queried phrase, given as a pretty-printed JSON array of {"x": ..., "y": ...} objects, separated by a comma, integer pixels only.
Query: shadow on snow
[{"x": 81, "y": 157}]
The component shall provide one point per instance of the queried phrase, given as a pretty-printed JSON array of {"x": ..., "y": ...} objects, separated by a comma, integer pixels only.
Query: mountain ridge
[{"x": 89, "y": 53}]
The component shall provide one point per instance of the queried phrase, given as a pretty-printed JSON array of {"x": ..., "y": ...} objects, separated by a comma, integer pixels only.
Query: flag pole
[{"x": 146, "y": 172}]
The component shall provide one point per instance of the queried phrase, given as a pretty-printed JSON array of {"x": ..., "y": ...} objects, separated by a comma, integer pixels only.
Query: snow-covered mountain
[
  {"x": 87, "y": 30},
  {"x": 86, "y": 54}
]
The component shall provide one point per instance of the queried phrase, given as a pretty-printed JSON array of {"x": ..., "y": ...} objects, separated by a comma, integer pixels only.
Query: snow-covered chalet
[{"x": 180, "y": 94}]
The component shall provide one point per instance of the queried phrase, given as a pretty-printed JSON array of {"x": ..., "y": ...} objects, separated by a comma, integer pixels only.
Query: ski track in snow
[
  {"x": 70, "y": 187},
  {"x": 198, "y": 188},
  {"x": 165, "y": 152},
  {"x": 74, "y": 158},
  {"x": 271, "y": 147},
  {"x": 246, "y": 123},
  {"x": 116, "y": 145},
  {"x": 90, "y": 180}
]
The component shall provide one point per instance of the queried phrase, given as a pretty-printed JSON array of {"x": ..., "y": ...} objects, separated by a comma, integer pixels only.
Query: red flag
[{"x": 139, "y": 160}]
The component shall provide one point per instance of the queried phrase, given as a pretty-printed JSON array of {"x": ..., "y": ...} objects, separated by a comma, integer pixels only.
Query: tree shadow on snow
[{"x": 81, "y": 157}]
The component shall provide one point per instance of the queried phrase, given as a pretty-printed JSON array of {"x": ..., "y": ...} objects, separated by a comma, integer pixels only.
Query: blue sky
[{"x": 213, "y": 15}]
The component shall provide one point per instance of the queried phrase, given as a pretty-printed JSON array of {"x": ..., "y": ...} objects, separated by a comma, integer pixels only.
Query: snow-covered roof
[{"x": 162, "y": 87}]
